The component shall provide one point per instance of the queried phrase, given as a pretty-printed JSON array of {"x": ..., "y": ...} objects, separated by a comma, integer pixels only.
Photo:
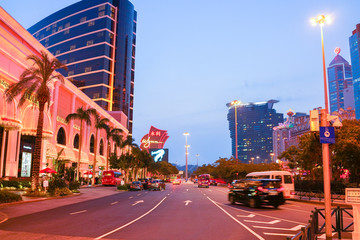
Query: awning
[
  {"x": 9, "y": 117},
  {"x": 51, "y": 150},
  {"x": 67, "y": 154},
  {"x": 29, "y": 120},
  {"x": 84, "y": 156}
]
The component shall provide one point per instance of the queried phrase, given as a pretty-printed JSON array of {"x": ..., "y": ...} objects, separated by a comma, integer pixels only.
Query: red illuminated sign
[
  {"x": 337, "y": 50},
  {"x": 156, "y": 138}
]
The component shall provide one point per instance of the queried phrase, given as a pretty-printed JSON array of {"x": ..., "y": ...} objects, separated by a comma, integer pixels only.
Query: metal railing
[
  {"x": 312, "y": 229},
  {"x": 319, "y": 196}
]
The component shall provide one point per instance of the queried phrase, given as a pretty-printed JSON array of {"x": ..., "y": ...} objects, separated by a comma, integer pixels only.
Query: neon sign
[
  {"x": 156, "y": 138},
  {"x": 160, "y": 154}
]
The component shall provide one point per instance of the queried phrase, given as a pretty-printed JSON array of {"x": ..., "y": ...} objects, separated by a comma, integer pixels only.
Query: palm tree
[
  {"x": 83, "y": 116},
  {"x": 100, "y": 123},
  {"x": 113, "y": 133},
  {"x": 35, "y": 81},
  {"x": 129, "y": 143}
]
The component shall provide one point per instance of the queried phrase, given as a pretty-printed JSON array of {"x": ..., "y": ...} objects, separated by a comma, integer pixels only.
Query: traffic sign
[{"x": 327, "y": 135}]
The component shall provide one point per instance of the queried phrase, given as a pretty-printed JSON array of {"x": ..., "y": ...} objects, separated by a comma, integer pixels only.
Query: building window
[
  {"x": 92, "y": 143},
  {"x": 64, "y": 61},
  {"x": 70, "y": 73},
  {"x": 91, "y": 23},
  {"x": 101, "y": 148},
  {"x": 67, "y": 25},
  {"x": 83, "y": 19},
  {"x": 88, "y": 69},
  {"x": 57, "y": 52},
  {"x": 48, "y": 28},
  {"x": 102, "y": 7},
  {"x": 76, "y": 141},
  {"x": 60, "y": 28},
  {"x": 90, "y": 42},
  {"x": 101, "y": 14},
  {"x": 53, "y": 31},
  {"x": 96, "y": 95},
  {"x": 61, "y": 138},
  {"x": 72, "y": 47},
  {"x": 67, "y": 31}
]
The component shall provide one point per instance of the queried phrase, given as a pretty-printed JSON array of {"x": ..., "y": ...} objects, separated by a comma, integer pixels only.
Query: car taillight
[
  {"x": 292, "y": 193},
  {"x": 280, "y": 189},
  {"x": 261, "y": 189}
]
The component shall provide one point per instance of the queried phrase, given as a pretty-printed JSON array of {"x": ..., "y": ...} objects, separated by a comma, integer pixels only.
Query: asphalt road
[{"x": 178, "y": 212}]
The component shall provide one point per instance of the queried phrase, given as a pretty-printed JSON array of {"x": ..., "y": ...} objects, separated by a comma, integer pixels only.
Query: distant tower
[
  {"x": 339, "y": 79},
  {"x": 354, "y": 42},
  {"x": 255, "y": 123}
]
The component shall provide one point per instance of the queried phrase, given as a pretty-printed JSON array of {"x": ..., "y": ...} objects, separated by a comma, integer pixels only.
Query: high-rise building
[
  {"x": 339, "y": 79},
  {"x": 354, "y": 42},
  {"x": 96, "y": 39},
  {"x": 255, "y": 122}
]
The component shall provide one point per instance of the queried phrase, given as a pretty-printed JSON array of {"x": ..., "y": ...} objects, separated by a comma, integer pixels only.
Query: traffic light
[{"x": 314, "y": 120}]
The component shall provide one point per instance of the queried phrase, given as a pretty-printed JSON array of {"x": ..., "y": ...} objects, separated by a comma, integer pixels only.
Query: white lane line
[
  {"x": 280, "y": 234},
  {"x": 187, "y": 202},
  {"x": 250, "y": 215},
  {"x": 272, "y": 222},
  {"x": 137, "y": 202},
  {"x": 123, "y": 226},
  {"x": 296, "y": 228},
  {"x": 5, "y": 217},
  {"x": 138, "y": 194},
  {"x": 114, "y": 203},
  {"x": 78, "y": 212},
  {"x": 247, "y": 228},
  {"x": 130, "y": 197}
]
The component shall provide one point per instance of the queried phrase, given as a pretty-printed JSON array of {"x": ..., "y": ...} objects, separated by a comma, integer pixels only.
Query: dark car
[
  {"x": 145, "y": 182},
  {"x": 213, "y": 183},
  {"x": 257, "y": 192},
  {"x": 157, "y": 184},
  {"x": 136, "y": 185}
]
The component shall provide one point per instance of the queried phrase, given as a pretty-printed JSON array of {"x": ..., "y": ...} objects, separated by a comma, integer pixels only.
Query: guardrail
[
  {"x": 312, "y": 229},
  {"x": 319, "y": 196}
]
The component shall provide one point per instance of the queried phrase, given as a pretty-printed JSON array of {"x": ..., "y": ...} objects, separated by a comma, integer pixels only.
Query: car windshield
[
  {"x": 271, "y": 184},
  {"x": 136, "y": 182}
]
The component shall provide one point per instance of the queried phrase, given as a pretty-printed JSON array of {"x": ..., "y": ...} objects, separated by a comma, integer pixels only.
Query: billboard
[
  {"x": 156, "y": 138},
  {"x": 159, "y": 154}
]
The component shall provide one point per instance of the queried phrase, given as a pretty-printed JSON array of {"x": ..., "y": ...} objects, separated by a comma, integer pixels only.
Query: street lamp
[
  {"x": 197, "y": 161},
  {"x": 235, "y": 103},
  {"x": 186, "y": 156},
  {"x": 257, "y": 159},
  {"x": 252, "y": 160},
  {"x": 321, "y": 20}
]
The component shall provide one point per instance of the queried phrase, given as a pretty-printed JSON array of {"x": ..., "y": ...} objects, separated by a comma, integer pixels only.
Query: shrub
[
  {"x": 17, "y": 184},
  {"x": 6, "y": 197},
  {"x": 74, "y": 185},
  {"x": 62, "y": 191},
  {"x": 75, "y": 191},
  {"x": 56, "y": 183},
  {"x": 123, "y": 187},
  {"x": 36, "y": 193}
]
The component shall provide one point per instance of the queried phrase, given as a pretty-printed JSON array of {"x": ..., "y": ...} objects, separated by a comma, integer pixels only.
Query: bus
[
  {"x": 111, "y": 178},
  {"x": 204, "y": 180},
  {"x": 287, "y": 180}
]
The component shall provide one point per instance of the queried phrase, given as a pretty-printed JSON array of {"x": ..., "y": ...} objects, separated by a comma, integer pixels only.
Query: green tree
[
  {"x": 100, "y": 123},
  {"x": 35, "y": 82},
  {"x": 114, "y": 134},
  {"x": 85, "y": 117}
]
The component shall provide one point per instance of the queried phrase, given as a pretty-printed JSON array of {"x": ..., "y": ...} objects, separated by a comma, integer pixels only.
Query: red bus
[
  {"x": 204, "y": 180},
  {"x": 111, "y": 178}
]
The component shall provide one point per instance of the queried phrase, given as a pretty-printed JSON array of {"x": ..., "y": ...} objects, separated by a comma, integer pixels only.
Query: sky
[{"x": 194, "y": 56}]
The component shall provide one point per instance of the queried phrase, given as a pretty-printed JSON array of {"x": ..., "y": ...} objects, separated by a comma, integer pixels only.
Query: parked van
[{"x": 287, "y": 180}]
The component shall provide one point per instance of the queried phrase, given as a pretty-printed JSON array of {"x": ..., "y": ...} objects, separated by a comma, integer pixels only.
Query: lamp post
[
  {"x": 186, "y": 156},
  {"x": 257, "y": 159},
  {"x": 252, "y": 160},
  {"x": 197, "y": 161},
  {"x": 320, "y": 20},
  {"x": 235, "y": 103}
]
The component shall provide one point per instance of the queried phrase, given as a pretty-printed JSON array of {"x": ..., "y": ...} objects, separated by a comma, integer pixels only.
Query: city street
[{"x": 179, "y": 212}]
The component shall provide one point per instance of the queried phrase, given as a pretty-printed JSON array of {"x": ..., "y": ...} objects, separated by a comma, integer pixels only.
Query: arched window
[
  {"x": 92, "y": 143},
  {"x": 101, "y": 148},
  {"x": 61, "y": 137},
  {"x": 76, "y": 141}
]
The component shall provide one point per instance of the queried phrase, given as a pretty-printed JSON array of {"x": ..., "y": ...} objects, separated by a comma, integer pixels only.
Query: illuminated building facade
[
  {"x": 18, "y": 125},
  {"x": 96, "y": 39},
  {"x": 339, "y": 79},
  {"x": 354, "y": 42},
  {"x": 255, "y": 122}
]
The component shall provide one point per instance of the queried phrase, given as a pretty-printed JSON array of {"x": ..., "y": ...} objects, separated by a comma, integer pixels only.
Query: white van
[{"x": 287, "y": 180}]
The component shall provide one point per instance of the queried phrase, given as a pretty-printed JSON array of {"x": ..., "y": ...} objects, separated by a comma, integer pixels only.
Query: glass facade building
[
  {"x": 255, "y": 122},
  {"x": 354, "y": 42},
  {"x": 339, "y": 79},
  {"x": 96, "y": 39}
]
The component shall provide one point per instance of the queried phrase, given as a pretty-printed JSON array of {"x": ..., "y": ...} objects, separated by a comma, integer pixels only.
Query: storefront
[{"x": 27, "y": 146}]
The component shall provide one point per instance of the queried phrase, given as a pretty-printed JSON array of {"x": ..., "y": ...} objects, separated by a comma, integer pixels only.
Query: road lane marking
[
  {"x": 324, "y": 236},
  {"x": 187, "y": 202},
  {"x": 5, "y": 217},
  {"x": 247, "y": 228},
  {"x": 280, "y": 234},
  {"x": 250, "y": 215},
  {"x": 137, "y": 202},
  {"x": 130, "y": 197},
  {"x": 114, "y": 203},
  {"x": 296, "y": 228},
  {"x": 123, "y": 226},
  {"x": 138, "y": 194},
  {"x": 78, "y": 212},
  {"x": 272, "y": 222}
]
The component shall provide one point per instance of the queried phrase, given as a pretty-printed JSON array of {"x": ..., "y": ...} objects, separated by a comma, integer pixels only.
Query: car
[
  {"x": 145, "y": 182},
  {"x": 195, "y": 180},
  {"x": 213, "y": 183},
  {"x": 136, "y": 185},
  {"x": 257, "y": 192},
  {"x": 157, "y": 184},
  {"x": 176, "y": 182}
]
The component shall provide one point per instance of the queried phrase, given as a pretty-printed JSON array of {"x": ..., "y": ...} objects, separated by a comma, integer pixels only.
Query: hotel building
[
  {"x": 96, "y": 39},
  {"x": 354, "y": 42}
]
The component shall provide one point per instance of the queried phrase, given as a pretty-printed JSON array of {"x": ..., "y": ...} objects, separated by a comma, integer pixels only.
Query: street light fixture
[
  {"x": 186, "y": 156},
  {"x": 197, "y": 161},
  {"x": 321, "y": 20},
  {"x": 235, "y": 103},
  {"x": 257, "y": 159}
]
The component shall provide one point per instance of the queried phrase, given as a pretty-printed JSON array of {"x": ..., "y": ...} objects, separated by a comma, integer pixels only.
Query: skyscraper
[
  {"x": 255, "y": 122},
  {"x": 96, "y": 39},
  {"x": 354, "y": 42},
  {"x": 339, "y": 79}
]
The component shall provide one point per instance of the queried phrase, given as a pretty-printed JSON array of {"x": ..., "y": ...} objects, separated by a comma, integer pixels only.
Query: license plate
[{"x": 273, "y": 193}]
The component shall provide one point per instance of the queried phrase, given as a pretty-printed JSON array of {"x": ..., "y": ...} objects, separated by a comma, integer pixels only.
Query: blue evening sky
[{"x": 194, "y": 56}]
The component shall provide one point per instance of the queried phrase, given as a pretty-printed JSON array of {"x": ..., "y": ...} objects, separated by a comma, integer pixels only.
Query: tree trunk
[
  {"x": 79, "y": 156},
  {"x": 37, "y": 151},
  {"x": 108, "y": 156},
  {"x": 95, "y": 150}
]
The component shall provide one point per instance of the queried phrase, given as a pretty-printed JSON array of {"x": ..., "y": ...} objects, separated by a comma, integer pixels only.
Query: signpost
[
  {"x": 327, "y": 135},
  {"x": 352, "y": 196}
]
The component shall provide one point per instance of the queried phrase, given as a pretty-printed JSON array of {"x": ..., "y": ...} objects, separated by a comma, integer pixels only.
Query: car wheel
[
  {"x": 252, "y": 203},
  {"x": 232, "y": 200},
  {"x": 276, "y": 205}
]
